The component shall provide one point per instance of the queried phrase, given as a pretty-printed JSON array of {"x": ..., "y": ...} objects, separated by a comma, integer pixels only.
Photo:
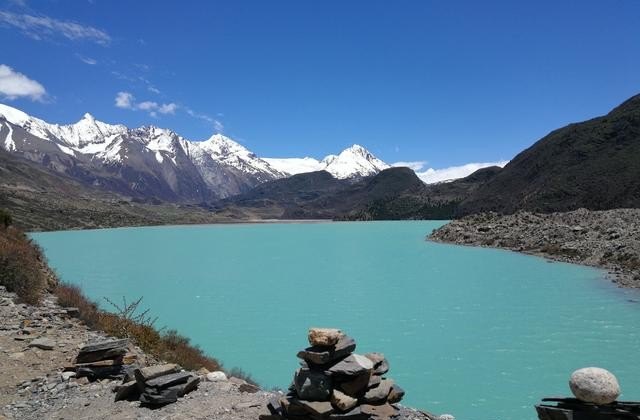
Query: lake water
[{"x": 478, "y": 333}]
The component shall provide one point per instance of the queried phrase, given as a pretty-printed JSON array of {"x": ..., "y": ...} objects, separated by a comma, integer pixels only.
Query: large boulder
[{"x": 594, "y": 385}]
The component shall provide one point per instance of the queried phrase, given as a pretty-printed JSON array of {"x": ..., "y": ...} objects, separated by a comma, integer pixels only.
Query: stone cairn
[
  {"x": 335, "y": 383},
  {"x": 107, "y": 359},
  {"x": 153, "y": 386},
  {"x": 157, "y": 385}
]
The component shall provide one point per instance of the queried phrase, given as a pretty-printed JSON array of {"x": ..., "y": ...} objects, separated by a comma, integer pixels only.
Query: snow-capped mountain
[
  {"x": 353, "y": 162},
  {"x": 152, "y": 162},
  {"x": 146, "y": 161}
]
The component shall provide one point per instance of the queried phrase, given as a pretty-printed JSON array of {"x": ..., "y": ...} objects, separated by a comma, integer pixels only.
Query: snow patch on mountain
[
  {"x": 353, "y": 162},
  {"x": 434, "y": 176},
  {"x": 222, "y": 149},
  {"x": 293, "y": 166}
]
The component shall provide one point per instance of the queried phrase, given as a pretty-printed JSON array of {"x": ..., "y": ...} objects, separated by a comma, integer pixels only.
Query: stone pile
[
  {"x": 106, "y": 359},
  {"x": 335, "y": 383},
  {"x": 157, "y": 385}
]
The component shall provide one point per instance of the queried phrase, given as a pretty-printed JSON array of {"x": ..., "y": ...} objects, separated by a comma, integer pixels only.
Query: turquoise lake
[{"x": 477, "y": 333}]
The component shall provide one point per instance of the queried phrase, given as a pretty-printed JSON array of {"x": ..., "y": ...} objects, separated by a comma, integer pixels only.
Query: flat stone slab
[
  {"x": 342, "y": 401},
  {"x": 321, "y": 355},
  {"x": 379, "y": 393},
  {"x": 109, "y": 349},
  {"x": 324, "y": 336},
  {"x": 353, "y": 414},
  {"x": 384, "y": 411},
  {"x": 43, "y": 343},
  {"x": 167, "y": 381},
  {"x": 352, "y": 365},
  {"x": 155, "y": 396},
  {"x": 380, "y": 363},
  {"x": 317, "y": 408},
  {"x": 356, "y": 386},
  {"x": 147, "y": 373}
]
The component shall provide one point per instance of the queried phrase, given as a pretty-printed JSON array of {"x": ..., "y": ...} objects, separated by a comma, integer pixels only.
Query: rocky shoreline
[
  {"x": 39, "y": 343},
  {"x": 608, "y": 239}
]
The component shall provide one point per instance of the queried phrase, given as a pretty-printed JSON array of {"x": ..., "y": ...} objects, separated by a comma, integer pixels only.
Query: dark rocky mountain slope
[
  {"x": 594, "y": 164},
  {"x": 392, "y": 194}
]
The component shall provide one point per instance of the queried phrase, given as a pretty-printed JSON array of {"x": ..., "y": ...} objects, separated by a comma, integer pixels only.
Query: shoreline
[
  {"x": 218, "y": 223},
  {"x": 604, "y": 239}
]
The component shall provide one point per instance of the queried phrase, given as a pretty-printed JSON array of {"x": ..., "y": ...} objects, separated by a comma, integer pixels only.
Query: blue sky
[{"x": 446, "y": 82}]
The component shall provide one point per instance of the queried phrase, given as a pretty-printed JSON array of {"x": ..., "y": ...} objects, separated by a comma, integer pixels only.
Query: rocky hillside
[
  {"x": 609, "y": 239},
  {"x": 594, "y": 164},
  {"x": 39, "y": 199},
  {"x": 410, "y": 199},
  {"x": 392, "y": 194}
]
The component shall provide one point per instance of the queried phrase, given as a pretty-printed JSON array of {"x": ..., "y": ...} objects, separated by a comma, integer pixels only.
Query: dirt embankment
[{"x": 607, "y": 239}]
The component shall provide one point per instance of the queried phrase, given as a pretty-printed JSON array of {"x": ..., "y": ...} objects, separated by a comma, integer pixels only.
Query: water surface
[{"x": 479, "y": 333}]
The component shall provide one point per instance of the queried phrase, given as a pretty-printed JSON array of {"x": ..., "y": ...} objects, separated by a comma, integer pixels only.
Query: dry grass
[
  {"x": 21, "y": 265},
  {"x": 24, "y": 271},
  {"x": 168, "y": 346}
]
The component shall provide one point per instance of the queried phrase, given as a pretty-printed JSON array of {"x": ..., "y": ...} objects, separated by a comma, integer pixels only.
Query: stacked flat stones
[
  {"x": 335, "y": 383},
  {"x": 107, "y": 359},
  {"x": 157, "y": 385}
]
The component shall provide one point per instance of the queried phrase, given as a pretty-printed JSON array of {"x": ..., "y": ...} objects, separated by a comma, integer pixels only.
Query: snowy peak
[
  {"x": 221, "y": 149},
  {"x": 353, "y": 162},
  {"x": 88, "y": 117},
  {"x": 14, "y": 116},
  {"x": 356, "y": 161}
]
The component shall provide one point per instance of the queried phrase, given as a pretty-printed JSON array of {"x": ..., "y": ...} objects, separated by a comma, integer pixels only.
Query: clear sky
[{"x": 446, "y": 82}]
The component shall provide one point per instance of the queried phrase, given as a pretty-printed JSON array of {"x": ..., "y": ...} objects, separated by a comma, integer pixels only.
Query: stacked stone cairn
[
  {"x": 335, "y": 383},
  {"x": 107, "y": 359},
  {"x": 158, "y": 385},
  {"x": 153, "y": 385}
]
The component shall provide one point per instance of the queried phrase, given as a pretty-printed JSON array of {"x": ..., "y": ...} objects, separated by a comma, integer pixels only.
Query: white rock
[
  {"x": 217, "y": 376},
  {"x": 67, "y": 375},
  {"x": 594, "y": 385}
]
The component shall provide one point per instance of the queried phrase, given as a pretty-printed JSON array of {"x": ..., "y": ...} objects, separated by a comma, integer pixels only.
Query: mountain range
[
  {"x": 156, "y": 163},
  {"x": 110, "y": 175}
]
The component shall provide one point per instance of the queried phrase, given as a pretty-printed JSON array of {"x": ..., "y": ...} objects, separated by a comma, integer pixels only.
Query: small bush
[
  {"x": 241, "y": 374},
  {"x": 71, "y": 296},
  {"x": 21, "y": 266},
  {"x": 177, "y": 348},
  {"x": 127, "y": 323}
]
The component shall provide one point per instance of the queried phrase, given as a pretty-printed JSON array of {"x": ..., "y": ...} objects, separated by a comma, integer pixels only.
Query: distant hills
[
  {"x": 392, "y": 194},
  {"x": 593, "y": 164}
]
